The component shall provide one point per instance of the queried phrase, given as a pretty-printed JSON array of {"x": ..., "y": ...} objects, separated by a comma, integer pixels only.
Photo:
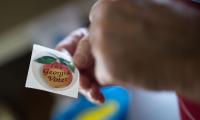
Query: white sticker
[{"x": 53, "y": 71}]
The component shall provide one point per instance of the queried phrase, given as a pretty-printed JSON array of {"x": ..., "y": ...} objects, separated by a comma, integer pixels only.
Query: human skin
[{"x": 148, "y": 45}]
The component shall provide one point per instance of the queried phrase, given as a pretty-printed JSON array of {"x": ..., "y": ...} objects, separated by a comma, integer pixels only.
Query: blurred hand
[
  {"x": 141, "y": 43},
  {"x": 122, "y": 29},
  {"x": 78, "y": 45}
]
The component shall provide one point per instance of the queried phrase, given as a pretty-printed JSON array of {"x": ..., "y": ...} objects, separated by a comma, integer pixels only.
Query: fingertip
[
  {"x": 92, "y": 96},
  {"x": 101, "y": 98},
  {"x": 67, "y": 47},
  {"x": 97, "y": 95}
]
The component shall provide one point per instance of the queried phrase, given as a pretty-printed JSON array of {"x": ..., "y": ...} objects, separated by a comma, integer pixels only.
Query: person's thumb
[{"x": 83, "y": 58}]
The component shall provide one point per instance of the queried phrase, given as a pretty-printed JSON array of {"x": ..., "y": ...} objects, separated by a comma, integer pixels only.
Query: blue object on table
[{"x": 116, "y": 106}]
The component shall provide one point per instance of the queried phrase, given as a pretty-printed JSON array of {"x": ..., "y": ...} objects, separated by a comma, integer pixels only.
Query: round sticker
[{"x": 54, "y": 72}]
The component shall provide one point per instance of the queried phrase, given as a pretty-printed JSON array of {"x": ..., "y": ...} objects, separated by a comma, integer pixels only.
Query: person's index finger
[
  {"x": 70, "y": 43},
  {"x": 96, "y": 94}
]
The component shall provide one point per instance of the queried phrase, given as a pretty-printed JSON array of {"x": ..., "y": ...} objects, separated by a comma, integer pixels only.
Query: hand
[
  {"x": 139, "y": 43},
  {"x": 78, "y": 45}
]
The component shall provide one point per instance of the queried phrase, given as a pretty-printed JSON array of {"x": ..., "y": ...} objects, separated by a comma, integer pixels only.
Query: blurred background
[{"x": 23, "y": 23}]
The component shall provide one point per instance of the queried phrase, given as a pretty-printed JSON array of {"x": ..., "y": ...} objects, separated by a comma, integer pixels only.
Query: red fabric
[{"x": 192, "y": 107}]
